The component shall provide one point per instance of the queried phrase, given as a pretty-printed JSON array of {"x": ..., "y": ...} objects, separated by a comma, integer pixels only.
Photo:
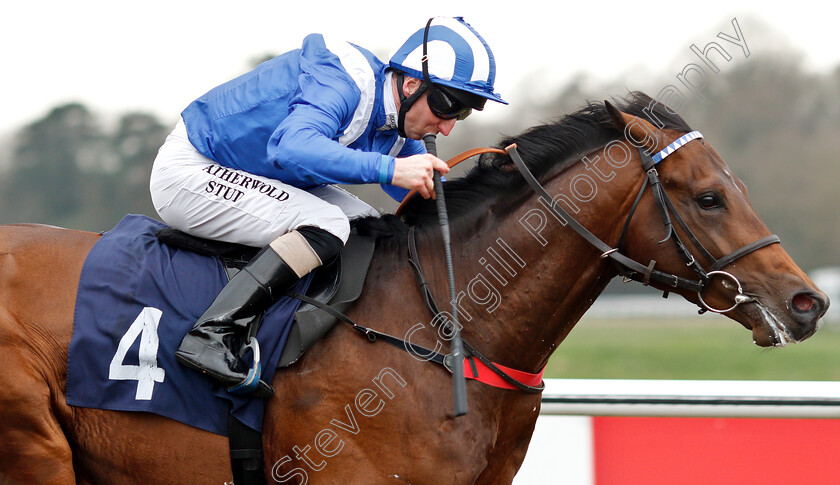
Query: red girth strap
[{"x": 485, "y": 375}]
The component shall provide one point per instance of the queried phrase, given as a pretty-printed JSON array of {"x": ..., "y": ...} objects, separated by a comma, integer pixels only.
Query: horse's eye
[{"x": 709, "y": 201}]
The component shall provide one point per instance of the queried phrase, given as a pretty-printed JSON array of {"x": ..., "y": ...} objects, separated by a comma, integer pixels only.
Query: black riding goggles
[{"x": 445, "y": 106}]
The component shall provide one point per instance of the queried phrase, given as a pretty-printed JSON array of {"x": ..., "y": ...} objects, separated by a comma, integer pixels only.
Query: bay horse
[{"x": 355, "y": 412}]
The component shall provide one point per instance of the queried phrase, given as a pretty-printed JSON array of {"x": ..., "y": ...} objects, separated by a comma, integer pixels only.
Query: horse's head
[{"x": 741, "y": 270}]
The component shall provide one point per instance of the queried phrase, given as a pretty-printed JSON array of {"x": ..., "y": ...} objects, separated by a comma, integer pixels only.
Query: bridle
[
  {"x": 633, "y": 270},
  {"x": 629, "y": 268}
]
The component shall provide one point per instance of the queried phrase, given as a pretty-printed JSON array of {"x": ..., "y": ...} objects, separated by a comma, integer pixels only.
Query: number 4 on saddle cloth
[{"x": 143, "y": 286}]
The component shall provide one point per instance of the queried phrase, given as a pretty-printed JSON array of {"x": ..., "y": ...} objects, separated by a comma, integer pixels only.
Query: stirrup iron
[{"x": 252, "y": 381}]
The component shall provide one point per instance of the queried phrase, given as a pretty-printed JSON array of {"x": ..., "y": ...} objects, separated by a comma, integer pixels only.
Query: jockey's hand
[{"x": 416, "y": 172}]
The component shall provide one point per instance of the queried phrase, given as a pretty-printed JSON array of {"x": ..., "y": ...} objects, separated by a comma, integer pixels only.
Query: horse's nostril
[
  {"x": 803, "y": 302},
  {"x": 807, "y": 303}
]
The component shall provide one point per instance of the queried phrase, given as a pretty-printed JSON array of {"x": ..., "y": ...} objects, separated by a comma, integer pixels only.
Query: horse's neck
[{"x": 522, "y": 289}]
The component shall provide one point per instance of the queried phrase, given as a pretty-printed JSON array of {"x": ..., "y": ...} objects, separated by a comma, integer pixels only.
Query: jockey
[{"x": 254, "y": 161}]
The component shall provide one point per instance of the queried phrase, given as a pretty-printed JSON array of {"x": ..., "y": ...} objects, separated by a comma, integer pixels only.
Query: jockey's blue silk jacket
[{"x": 312, "y": 116}]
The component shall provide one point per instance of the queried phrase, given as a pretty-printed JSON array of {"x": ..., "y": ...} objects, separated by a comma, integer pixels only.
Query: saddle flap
[{"x": 348, "y": 279}]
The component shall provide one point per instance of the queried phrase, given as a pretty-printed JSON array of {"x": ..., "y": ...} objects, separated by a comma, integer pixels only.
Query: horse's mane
[{"x": 546, "y": 148}]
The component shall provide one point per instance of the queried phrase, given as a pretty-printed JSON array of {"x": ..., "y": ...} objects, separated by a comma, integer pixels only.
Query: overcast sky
[{"x": 158, "y": 55}]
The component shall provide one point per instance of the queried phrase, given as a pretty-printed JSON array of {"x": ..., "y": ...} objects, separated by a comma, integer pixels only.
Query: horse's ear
[
  {"x": 617, "y": 116},
  {"x": 639, "y": 132}
]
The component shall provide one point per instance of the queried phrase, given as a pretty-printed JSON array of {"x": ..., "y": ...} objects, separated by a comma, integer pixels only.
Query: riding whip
[{"x": 459, "y": 387}]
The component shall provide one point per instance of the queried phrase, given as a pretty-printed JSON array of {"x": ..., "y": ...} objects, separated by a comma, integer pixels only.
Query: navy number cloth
[{"x": 137, "y": 299}]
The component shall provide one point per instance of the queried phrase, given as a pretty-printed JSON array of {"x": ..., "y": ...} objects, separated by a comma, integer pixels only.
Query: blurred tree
[
  {"x": 66, "y": 171},
  {"x": 46, "y": 183},
  {"x": 136, "y": 143}
]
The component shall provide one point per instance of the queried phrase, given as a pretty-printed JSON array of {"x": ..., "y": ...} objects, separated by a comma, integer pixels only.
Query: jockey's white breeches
[{"x": 200, "y": 197}]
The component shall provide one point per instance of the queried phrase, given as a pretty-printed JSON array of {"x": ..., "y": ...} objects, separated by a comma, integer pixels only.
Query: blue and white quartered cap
[{"x": 458, "y": 57}]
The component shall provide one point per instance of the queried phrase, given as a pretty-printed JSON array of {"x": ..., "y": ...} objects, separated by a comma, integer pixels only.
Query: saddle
[{"x": 338, "y": 283}]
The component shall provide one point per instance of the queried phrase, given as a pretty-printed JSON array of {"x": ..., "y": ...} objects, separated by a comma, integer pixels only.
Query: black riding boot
[{"x": 211, "y": 346}]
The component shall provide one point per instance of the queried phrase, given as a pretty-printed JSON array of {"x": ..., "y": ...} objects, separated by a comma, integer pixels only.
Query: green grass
[{"x": 693, "y": 348}]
